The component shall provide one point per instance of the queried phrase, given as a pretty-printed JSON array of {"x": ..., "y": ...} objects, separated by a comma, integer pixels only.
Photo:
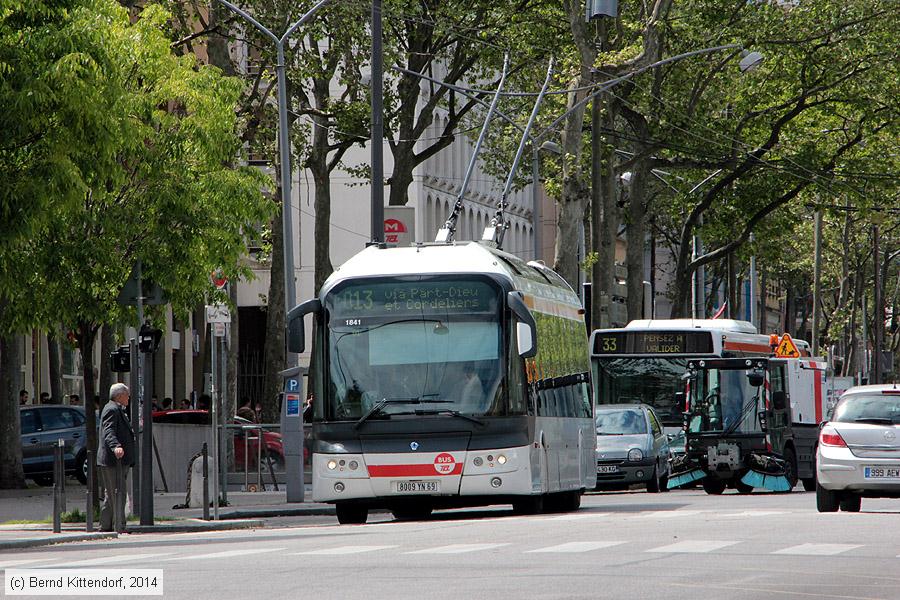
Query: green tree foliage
[{"x": 153, "y": 182}]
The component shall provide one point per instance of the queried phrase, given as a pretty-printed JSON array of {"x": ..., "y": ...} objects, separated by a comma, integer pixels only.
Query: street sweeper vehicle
[{"x": 751, "y": 423}]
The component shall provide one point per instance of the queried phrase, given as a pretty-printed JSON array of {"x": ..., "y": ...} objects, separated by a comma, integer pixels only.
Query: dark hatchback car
[{"x": 42, "y": 426}]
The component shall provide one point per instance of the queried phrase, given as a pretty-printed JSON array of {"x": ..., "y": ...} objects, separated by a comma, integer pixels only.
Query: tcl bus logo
[{"x": 444, "y": 463}]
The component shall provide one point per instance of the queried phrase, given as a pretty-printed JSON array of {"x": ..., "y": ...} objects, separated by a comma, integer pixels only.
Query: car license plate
[
  {"x": 882, "y": 472},
  {"x": 608, "y": 468},
  {"x": 417, "y": 487}
]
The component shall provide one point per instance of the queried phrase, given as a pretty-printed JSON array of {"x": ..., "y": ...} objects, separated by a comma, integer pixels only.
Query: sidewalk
[{"x": 245, "y": 510}]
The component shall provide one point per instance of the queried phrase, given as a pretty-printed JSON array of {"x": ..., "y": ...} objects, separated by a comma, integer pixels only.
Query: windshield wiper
[
  {"x": 452, "y": 413},
  {"x": 875, "y": 420},
  {"x": 379, "y": 406}
]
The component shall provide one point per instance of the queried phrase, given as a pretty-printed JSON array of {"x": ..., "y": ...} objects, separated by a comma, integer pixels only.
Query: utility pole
[
  {"x": 878, "y": 311},
  {"x": 377, "y": 127},
  {"x": 817, "y": 285}
]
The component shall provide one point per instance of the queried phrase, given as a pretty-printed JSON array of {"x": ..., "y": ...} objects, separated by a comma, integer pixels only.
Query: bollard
[
  {"x": 205, "y": 482},
  {"x": 62, "y": 476},
  {"x": 89, "y": 511},
  {"x": 246, "y": 432},
  {"x": 259, "y": 443},
  {"x": 57, "y": 484}
]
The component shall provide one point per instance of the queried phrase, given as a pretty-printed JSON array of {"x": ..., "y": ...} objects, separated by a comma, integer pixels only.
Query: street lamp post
[{"x": 284, "y": 141}]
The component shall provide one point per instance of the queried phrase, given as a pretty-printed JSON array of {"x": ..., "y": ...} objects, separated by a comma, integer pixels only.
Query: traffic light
[
  {"x": 148, "y": 338},
  {"x": 120, "y": 360}
]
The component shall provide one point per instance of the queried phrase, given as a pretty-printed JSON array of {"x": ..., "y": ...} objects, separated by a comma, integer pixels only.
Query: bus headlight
[
  {"x": 635, "y": 454},
  {"x": 332, "y": 465},
  {"x": 353, "y": 465},
  {"x": 501, "y": 460},
  {"x": 478, "y": 461}
]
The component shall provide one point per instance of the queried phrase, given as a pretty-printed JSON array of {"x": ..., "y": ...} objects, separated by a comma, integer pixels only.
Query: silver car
[
  {"x": 859, "y": 449},
  {"x": 632, "y": 447}
]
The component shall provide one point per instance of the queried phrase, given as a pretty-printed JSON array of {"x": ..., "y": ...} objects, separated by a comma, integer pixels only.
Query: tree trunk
[
  {"x": 87, "y": 333},
  {"x": 568, "y": 229},
  {"x": 789, "y": 310},
  {"x": 763, "y": 294},
  {"x": 274, "y": 350},
  {"x": 604, "y": 209},
  {"x": 402, "y": 175},
  {"x": 636, "y": 234},
  {"x": 11, "y": 474},
  {"x": 53, "y": 360}
]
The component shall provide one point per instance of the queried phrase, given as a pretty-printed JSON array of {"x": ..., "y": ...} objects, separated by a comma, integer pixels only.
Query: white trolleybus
[
  {"x": 447, "y": 375},
  {"x": 644, "y": 361}
]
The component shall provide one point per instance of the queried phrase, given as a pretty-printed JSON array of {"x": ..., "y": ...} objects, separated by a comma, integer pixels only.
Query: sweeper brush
[
  {"x": 767, "y": 472},
  {"x": 683, "y": 472}
]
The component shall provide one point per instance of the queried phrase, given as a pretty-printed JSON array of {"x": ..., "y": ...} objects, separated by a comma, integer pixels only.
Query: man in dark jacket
[{"x": 115, "y": 455}]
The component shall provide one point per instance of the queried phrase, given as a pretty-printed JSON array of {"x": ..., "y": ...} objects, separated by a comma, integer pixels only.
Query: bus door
[{"x": 780, "y": 405}]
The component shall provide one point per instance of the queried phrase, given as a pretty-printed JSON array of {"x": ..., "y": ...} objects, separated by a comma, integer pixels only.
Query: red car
[{"x": 273, "y": 443}]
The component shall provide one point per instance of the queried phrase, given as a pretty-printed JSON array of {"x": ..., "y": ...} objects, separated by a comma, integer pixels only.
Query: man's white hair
[{"x": 116, "y": 390}]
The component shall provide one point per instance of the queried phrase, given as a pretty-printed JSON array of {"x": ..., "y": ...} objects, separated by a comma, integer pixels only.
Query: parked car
[
  {"x": 858, "y": 454},
  {"x": 41, "y": 428},
  {"x": 273, "y": 445},
  {"x": 632, "y": 447}
]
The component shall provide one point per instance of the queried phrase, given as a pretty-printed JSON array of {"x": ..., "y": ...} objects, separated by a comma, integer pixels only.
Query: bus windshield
[
  {"x": 724, "y": 400},
  {"x": 652, "y": 381},
  {"x": 423, "y": 344}
]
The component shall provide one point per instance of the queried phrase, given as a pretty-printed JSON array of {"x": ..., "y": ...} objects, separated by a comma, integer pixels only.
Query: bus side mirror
[
  {"x": 526, "y": 328},
  {"x": 296, "y": 332},
  {"x": 779, "y": 400}
]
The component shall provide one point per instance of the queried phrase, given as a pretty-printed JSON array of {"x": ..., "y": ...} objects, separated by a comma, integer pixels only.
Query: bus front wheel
[
  {"x": 351, "y": 514},
  {"x": 528, "y": 505}
]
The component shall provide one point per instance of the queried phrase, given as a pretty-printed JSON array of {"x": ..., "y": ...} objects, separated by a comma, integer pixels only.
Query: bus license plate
[
  {"x": 417, "y": 487},
  {"x": 882, "y": 472},
  {"x": 608, "y": 469}
]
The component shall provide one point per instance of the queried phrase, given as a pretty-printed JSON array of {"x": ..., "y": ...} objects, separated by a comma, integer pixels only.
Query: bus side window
[{"x": 585, "y": 401}]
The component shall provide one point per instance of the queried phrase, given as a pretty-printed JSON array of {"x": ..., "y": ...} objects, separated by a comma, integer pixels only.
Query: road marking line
[
  {"x": 105, "y": 560},
  {"x": 228, "y": 553},
  {"x": 693, "y": 546},
  {"x": 572, "y": 547},
  {"x": 15, "y": 563},
  {"x": 578, "y": 516},
  {"x": 457, "y": 549},
  {"x": 345, "y": 550},
  {"x": 667, "y": 514},
  {"x": 817, "y": 549},
  {"x": 755, "y": 513}
]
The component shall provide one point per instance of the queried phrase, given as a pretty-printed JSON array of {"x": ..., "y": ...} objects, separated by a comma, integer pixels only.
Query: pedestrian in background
[
  {"x": 45, "y": 398},
  {"x": 185, "y": 404},
  {"x": 23, "y": 397},
  {"x": 74, "y": 400},
  {"x": 115, "y": 456},
  {"x": 167, "y": 403}
]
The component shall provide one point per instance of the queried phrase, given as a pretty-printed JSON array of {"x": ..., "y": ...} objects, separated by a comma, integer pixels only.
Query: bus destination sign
[
  {"x": 415, "y": 298},
  {"x": 657, "y": 342}
]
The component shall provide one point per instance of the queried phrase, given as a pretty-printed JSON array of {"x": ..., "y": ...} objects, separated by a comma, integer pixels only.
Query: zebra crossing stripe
[
  {"x": 457, "y": 549},
  {"x": 573, "y": 547},
  {"x": 228, "y": 553},
  {"x": 817, "y": 549},
  {"x": 694, "y": 546},
  {"x": 343, "y": 550}
]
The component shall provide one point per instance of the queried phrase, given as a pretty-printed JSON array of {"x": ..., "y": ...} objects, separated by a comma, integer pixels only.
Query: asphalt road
[{"x": 678, "y": 545}]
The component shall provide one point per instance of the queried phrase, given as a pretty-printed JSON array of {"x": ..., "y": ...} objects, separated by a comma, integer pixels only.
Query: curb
[
  {"x": 278, "y": 512},
  {"x": 50, "y": 541},
  {"x": 198, "y": 525}
]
